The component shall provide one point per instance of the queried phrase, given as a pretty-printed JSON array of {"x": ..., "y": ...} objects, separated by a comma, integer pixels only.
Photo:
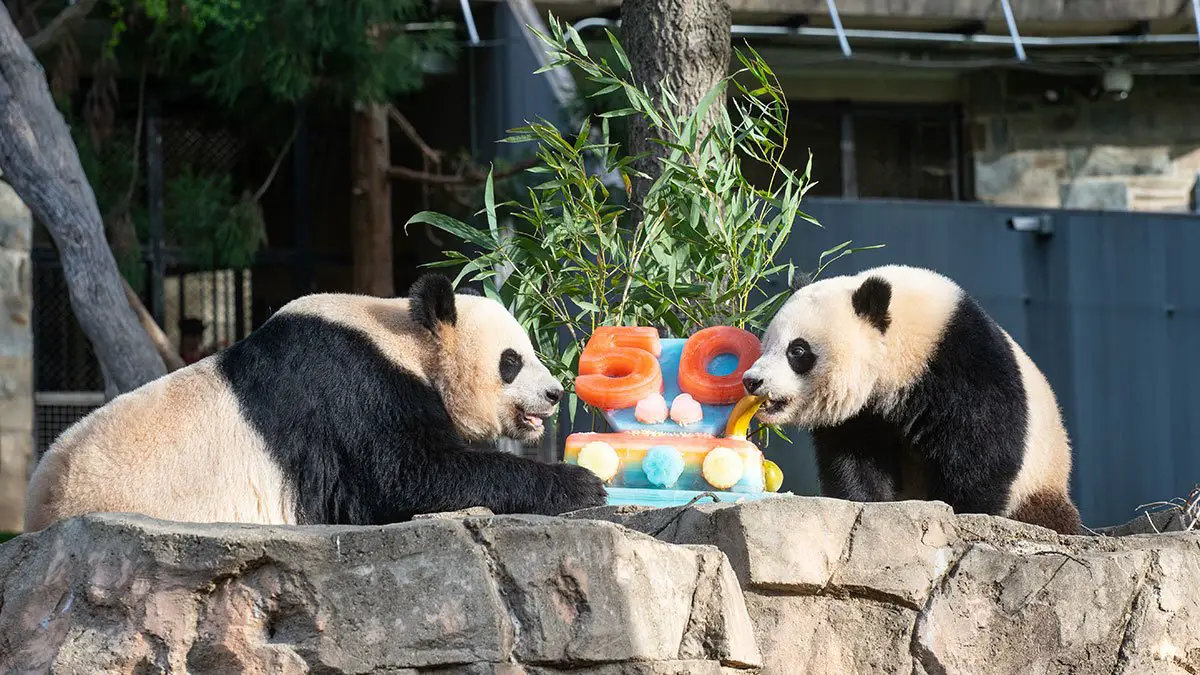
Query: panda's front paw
[{"x": 577, "y": 488}]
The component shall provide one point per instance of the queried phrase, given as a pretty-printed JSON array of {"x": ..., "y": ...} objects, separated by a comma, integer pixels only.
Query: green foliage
[
  {"x": 706, "y": 241},
  {"x": 202, "y": 217},
  {"x": 212, "y": 227},
  {"x": 258, "y": 57},
  {"x": 345, "y": 50},
  {"x": 109, "y": 170}
]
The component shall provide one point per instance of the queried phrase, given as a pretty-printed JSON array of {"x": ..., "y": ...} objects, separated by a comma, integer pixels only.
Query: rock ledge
[{"x": 785, "y": 585}]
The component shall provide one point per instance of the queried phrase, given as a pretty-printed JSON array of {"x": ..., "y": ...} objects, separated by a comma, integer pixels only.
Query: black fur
[
  {"x": 871, "y": 301},
  {"x": 510, "y": 366},
  {"x": 361, "y": 441},
  {"x": 965, "y": 419},
  {"x": 431, "y": 301},
  {"x": 800, "y": 356},
  {"x": 800, "y": 280}
]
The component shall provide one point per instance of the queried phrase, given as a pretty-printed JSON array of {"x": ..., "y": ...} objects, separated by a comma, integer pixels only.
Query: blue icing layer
[
  {"x": 677, "y": 497},
  {"x": 715, "y": 416},
  {"x": 633, "y": 475},
  {"x": 663, "y": 465}
]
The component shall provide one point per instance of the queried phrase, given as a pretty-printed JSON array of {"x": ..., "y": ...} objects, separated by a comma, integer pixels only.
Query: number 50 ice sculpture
[{"x": 678, "y": 413}]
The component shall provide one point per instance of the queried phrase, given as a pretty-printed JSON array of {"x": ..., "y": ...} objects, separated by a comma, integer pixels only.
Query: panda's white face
[
  {"x": 496, "y": 384},
  {"x": 820, "y": 358}
]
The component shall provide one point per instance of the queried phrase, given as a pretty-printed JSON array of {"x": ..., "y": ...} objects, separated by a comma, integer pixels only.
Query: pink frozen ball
[
  {"x": 651, "y": 410},
  {"x": 686, "y": 410}
]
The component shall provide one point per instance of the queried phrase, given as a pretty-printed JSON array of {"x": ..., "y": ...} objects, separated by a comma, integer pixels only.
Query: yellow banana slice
[{"x": 739, "y": 419}]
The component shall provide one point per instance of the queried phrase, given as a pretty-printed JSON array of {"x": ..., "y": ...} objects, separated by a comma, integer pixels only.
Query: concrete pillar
[{"x": 16, "y": 359}]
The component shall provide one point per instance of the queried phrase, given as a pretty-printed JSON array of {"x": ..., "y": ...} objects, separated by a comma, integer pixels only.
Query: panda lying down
[
  {"x": 339, "y": 409},
  {"x": 911, "y": 391}
]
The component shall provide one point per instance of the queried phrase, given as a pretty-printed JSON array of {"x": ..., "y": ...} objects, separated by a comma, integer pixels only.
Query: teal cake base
[{"x": 665, "y": 498}]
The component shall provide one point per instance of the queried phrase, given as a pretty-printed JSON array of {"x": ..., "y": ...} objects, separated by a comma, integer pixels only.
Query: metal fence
[
  {"x": 1106, "y": 303},
  {"x": 67, "y": 379}
]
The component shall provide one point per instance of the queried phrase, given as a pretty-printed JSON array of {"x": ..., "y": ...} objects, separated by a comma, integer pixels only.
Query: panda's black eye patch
[
  {"x": 510, "y": 365},
  {"x": 800, "y": 356}
]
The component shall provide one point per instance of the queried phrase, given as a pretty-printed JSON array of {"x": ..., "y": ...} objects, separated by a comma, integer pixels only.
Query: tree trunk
[
  {"x": 162, "y": 343},
  {"x": 371, "y": 206},
  {"x": 40, "y": 161},
  {"x": 684, "y": 44}
]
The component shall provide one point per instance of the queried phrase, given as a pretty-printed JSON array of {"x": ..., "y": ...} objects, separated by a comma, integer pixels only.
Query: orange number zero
[{"x": 705, "y": 345}]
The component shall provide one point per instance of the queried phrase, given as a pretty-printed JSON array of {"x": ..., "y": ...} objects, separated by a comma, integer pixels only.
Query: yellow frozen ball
[
  {"x": 599, "y": 458},
  {"x": 722, "y": 468},
  {"x": 772, "y": 476}
]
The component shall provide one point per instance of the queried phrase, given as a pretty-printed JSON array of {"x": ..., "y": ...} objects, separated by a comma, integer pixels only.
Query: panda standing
[
  {"x": 911, "y": 391},
  {"x": 339, "y": 409}
]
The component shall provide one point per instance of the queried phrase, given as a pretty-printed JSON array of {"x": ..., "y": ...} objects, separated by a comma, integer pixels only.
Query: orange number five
[{"x": 619, "y": 367}]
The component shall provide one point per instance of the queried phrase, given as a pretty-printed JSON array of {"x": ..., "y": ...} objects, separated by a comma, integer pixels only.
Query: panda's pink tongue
[{"x": 534, "y": 420}]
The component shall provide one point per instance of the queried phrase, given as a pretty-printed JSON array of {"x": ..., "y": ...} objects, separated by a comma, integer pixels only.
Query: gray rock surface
[
  {"x": 125, "y": 594},
  {"x": 784, "y": 585},
  {"x": 909, "y": 587}
]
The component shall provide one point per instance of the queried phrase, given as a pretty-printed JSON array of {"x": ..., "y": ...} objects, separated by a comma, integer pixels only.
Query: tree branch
[
  {"x": 262, "y": 189},
  {"x": 474, "y": 178},
  {"x": 411, "y": 131},
  {"x": 60, "y": 25},
  {"x": 161, "y": 342}
]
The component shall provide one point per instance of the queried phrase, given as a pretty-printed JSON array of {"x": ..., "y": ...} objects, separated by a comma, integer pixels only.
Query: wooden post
[
  {"x": 302, "y": 261},
  {"x": 154, "y": 189},
  {"x": 371, "y": 206}
]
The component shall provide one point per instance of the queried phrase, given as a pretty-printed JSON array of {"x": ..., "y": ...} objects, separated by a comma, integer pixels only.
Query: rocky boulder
[
  {"x": 783, "y": 585},
  {"x": 909, "y": 587},
  {"x": 126, "y": 594}
]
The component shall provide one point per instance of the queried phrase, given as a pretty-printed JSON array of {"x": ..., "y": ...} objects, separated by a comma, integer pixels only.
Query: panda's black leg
[
  {"x": 968, "y": 477},
  {"x": 504, "y": 483},
  {"x": 848, "y": 473},
  {"x": 858, "y": 460}
]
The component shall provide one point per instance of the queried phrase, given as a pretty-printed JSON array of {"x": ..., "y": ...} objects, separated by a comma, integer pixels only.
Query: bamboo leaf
[
  {"x": 612, "y": 39},
  {"x": 489, "y": 202},
  {"x": 451, "y": 226}
]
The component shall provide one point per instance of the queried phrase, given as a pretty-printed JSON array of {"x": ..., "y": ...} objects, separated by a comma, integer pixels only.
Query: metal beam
[
  {"x": 1196, "y": 18},
  {"x": 469, "y": 18},
  {"x": 924, "y": 36},
  {"x": 1012, "y": 30},
  {"x": 837, "y": 25}
]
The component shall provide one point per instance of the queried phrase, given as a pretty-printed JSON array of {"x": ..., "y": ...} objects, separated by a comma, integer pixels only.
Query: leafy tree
[{"x": 255, "y": 58}]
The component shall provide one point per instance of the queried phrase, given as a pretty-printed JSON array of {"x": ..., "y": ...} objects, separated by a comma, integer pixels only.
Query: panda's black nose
[
  {"x": 752, "y": 384},
  {"x": 554, "y": 395}
]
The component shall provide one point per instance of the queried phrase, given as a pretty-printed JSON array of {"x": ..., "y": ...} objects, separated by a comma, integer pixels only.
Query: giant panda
[
  {"x": 339, "y": 409},
  {"x": 911, "y": 391}
]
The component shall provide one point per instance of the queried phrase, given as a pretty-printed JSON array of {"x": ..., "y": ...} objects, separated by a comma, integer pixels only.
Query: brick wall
[
  {"x": 16, "y": 359},
  {"x": 1075, "y": 149}
]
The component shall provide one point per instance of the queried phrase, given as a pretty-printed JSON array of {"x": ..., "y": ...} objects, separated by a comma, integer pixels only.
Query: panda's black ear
[
  {"x": 871, "y": 301},
  {"x": 431, "y": 301},
  {"x": 800, "y": 280}
]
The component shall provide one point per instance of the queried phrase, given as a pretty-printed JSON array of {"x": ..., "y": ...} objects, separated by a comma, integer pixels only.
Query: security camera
[
  {"x": 1117, "y": 82},
  {"x": 1040, "y": 225}
]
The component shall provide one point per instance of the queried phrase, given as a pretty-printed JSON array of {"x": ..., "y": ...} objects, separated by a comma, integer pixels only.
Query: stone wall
[
  {"x": 1082, "y": 150},
  {"x": 785, "y": 585},
  {"x": 16, "y": 359}
]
